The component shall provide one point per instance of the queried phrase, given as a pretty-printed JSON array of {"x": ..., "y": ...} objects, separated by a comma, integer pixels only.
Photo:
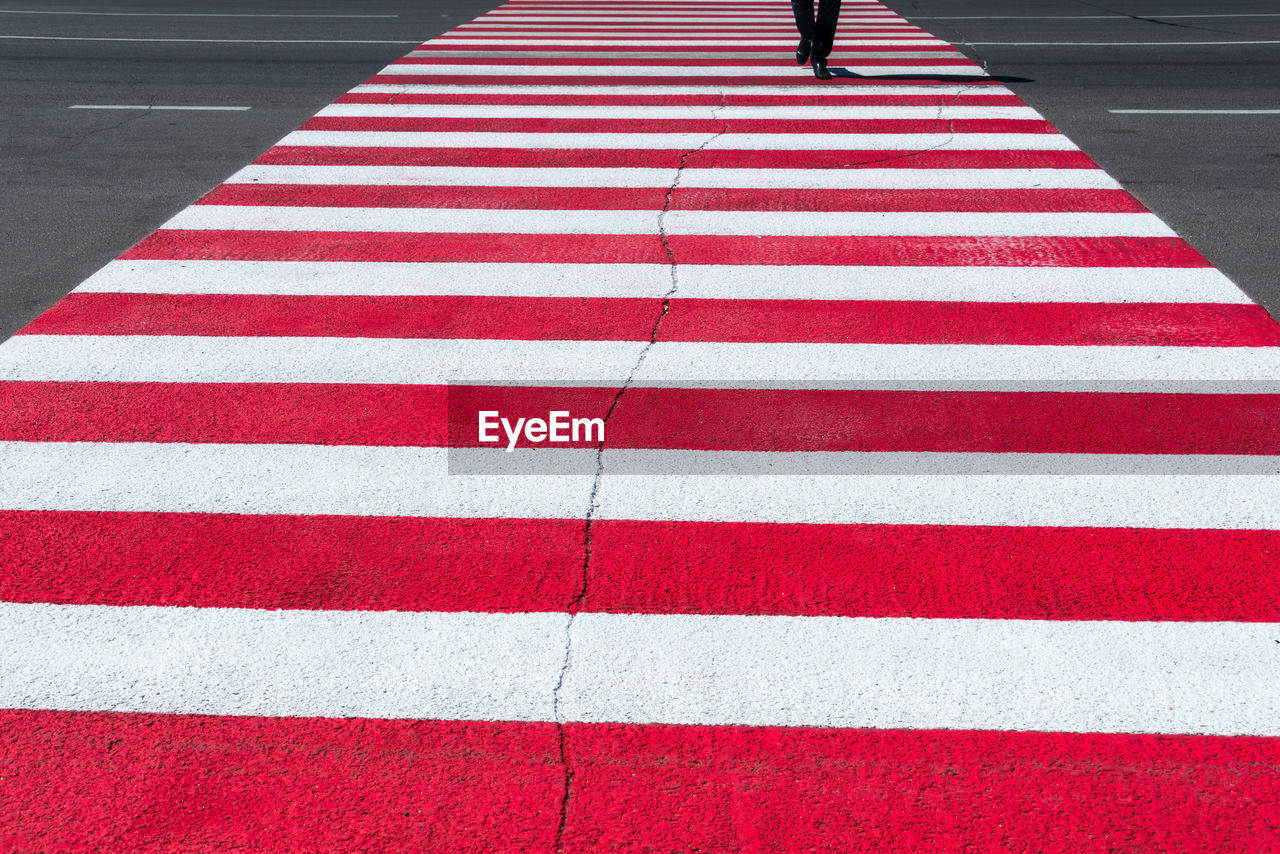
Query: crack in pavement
[
  {"x": 580, "y": 595},
  {"x": 1154, "y": 20},
  {"x": 131, "y": 115}
]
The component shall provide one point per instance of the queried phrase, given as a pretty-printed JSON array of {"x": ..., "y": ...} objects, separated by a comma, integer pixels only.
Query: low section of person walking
[{"x": 816, "y": 37}]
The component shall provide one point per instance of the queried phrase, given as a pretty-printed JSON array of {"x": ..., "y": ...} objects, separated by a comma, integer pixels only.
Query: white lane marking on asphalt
[
  {"x": 1114, "y": 17},
  {"x": 181, "y": 14},
  {"x": 1024, "y": 675},
  {"x": 685, "y": 141},
  {"x": 697, "y": 281},
  {"x": 745, "y": 178},
  {"x": 1199, "y": 112},
  {"x": 155, "y": 107},
  {"x": 202, "y": 41},
  {"x": 432, "y": 361},
  {"x": 1113, "y": 44},
  {"x": 678, "y": 221}
]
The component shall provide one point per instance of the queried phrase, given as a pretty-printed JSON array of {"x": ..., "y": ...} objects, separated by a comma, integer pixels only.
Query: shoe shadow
[{"x": 933, "y": 78}]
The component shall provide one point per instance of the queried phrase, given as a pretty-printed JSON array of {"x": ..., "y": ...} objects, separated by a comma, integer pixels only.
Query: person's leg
[
  {"x": 803, "y": 10},
  {"x": 824, "y": 31}
]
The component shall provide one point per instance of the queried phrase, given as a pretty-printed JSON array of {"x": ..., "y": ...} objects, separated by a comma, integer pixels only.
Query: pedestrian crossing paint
[{"x": 936, "y": 508}]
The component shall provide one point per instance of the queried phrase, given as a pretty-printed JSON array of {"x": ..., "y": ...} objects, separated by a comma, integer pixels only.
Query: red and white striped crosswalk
[{"x": 938, "y": 508}]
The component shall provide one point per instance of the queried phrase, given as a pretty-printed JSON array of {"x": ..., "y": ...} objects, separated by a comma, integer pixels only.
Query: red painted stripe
[
  {"x": 682, "y": 198},
  {"x": 681, "y": 418},
  {"x": 618, "y": 30},
  {"x": 842, "y": 52},
  {"x": 521, "y": 565},
  {"x": 656, "y": 62},
  {"x": 177, "y": 244},
  {"x": 532, "y": 157},
  {"x": 796, "y": 126},
  {"x": 626, "y": 319},
  {"x": 134, "y": 782},
  {"x": 846, "y": 98},
  {"x": 853, "y": 27},
  {"x": 920, "y": 322},
  {"x": 526, "y": 318},
  {"x": 142, "y": 783}
]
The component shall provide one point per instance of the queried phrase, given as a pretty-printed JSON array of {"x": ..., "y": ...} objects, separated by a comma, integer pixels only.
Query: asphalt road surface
[
  {"x": 79, "y": 186},
  {"x": 1214, "y": 177}
]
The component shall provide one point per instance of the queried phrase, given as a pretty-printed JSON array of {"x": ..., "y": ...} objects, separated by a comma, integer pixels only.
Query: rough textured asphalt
[
  {"x": 1214, "y": 178},
  {"x": 77, "y": 187}
]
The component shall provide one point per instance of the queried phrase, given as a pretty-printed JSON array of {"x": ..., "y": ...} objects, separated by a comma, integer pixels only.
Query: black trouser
[{"x": 822, "y": 32}]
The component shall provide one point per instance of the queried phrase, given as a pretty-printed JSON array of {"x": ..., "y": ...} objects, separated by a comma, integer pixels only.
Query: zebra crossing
[{"x": 936, "y": 507}]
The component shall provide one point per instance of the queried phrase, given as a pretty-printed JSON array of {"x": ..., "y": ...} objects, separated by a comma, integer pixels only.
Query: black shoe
[
  {"x": 820, "y": 68},
  {"x": 803, "y": 50}
]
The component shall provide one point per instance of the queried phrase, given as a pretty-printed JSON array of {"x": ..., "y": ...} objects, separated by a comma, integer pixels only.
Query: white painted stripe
[
  {"x": 1021, "y": 675},
  {"x": 924, "y": 674},
  {"x": 743, "y": 71},
  {"x": 688, "y": 141},
  {"x": 154, "y": 107},
  {"x": 418, "y": 482},
  {"x": 824, "y": 179},
  {"x": 179, "y": 358},
  {"x": 282, "y": 479},
  {"x": 676, "y": 22},
  {"x": 514, "y": 221},
  {"x": 871, "y": 90},
  {"x": 732, "y": 112},
  {"x": 697, "y": 281},
  {"x": 1200, "y": 112},
  {"x": 674, "y": 26},
  {"x": 280, "y": 663}
]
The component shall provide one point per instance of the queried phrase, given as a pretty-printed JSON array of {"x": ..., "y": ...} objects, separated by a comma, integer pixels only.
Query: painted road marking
[
  {"x": 921, "y": 430},
  {"x": 697, "y": 281},
  {"x": 153, "y": 107},
  {"x": 678, "y": 141},
  {"x": 692, "y": 222},
  {"x": 1113, "y": 17},
  {"x": 79, "y": 13},
  {"x": 743, "y": 178},
  {"x": 1200, "y": 112},
  {"x": 200, "y": 41},
  {"x": 1118, "y": 44},
  {"x": 177, "y": 358},
  {"x": 642, "y": 669}
]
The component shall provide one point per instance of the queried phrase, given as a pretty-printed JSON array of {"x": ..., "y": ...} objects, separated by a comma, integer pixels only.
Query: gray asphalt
[
  {"x": 77, "y": 187},
  {"x": 1214, "y": 178}
]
